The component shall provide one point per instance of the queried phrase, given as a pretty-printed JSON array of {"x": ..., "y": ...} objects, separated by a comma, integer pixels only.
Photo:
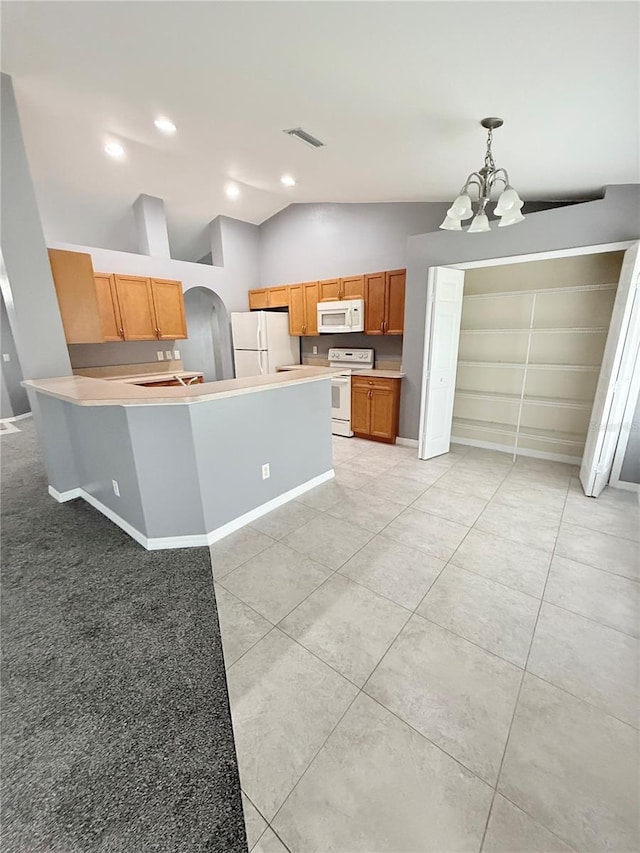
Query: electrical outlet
[
  {"x": 160, "y": 355},
  {"x": 266, "y": 471},
  {"x": 116, "y": 488},
  {"x": 315, "y": 350},
  {"x": 176, "y": 354},
  {"x": 168, "y": 354},
  {"x": 6, "y": 356}
]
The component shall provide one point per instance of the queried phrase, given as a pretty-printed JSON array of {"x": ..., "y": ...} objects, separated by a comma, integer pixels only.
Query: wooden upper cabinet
[
  {"x": 375, "y": 303},
  {"x": 296, "y": 309},
  {"x": 278, "y": 297},
  {"x": 108, "y": 307},
  {"x": 329, "y": 289},
  {"x": 258, "y": 299},
  {"x": 135, "y": 298},
  {"x": 311, "y": 308},
  {"x": 77, "y": 296},
  {"x": 168, "y": 303},
  {"x": 352, "y": 288},
  {"x": 395, "y": 281},
  {"x": 384, "y": 302}
]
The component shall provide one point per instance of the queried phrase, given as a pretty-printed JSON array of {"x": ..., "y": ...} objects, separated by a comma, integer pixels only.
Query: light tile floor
[{"x": 436, "y": 656}]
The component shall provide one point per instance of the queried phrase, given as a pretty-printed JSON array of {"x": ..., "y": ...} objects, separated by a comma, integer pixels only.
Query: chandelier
[{"x": 481, "y": 184}]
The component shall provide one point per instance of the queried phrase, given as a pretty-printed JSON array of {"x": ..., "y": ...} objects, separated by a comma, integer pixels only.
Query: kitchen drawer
[{"x": 382, "y": 383}]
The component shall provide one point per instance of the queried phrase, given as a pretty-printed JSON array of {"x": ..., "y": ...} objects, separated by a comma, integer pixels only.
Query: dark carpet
[{"x": 116, "y": 728}]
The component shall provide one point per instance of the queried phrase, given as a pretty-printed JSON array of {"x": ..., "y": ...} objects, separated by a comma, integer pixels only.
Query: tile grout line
[{"x": 524, "y": 672}]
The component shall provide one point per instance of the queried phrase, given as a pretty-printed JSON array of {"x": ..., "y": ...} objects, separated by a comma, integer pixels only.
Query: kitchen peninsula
[{"x": 183, "y": 466}]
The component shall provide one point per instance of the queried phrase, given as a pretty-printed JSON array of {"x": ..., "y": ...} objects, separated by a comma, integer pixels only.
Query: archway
[{"x": 208, "y": 347}]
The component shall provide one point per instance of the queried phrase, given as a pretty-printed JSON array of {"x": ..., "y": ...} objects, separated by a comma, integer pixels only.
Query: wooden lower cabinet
[{"x": 375, "y": 408}]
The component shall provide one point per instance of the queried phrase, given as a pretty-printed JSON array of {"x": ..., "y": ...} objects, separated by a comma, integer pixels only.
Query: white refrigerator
[{"x": 262, "y": 343}]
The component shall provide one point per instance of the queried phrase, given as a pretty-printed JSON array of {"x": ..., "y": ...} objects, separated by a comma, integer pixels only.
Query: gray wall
[
  {"x": 119, "y": 352},
  {"x": 386, "y": 346},
  {"x": 290, "y": 428},
  {"x": 189, "y": 469},
  {"x": 14, "y": 397},
  {"x": 630, "y": 471},
  {"x": 306, "y": 242},
  {"x": 614, "y": 218},
  {"x": 35, "y": 318}
]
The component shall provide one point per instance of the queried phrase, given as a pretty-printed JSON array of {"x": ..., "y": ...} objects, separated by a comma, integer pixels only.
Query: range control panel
[{"x": 354, "y": 357}]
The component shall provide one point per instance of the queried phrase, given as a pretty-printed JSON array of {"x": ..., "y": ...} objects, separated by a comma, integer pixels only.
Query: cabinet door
[
  {"x": 258, "y": 299},
  {"x": 352, "y": 288},
  {"x": 76, "y": 292},
  {"x": 278, "y": 297},
  {"x": 136, "y": 308},
  {"x": 374, "y": 306},
  {"x": 311, "y": 308},
  {"x": 296, "y": 309},
  {"x": 168, "y": 302},
  {"x": 383, "y": 413},
  {"x": 395, "y": 285},
  {"x": 108, "y": 307},
  {"x": 329, "y": 289},
  {"x": 360, "y": 409}
]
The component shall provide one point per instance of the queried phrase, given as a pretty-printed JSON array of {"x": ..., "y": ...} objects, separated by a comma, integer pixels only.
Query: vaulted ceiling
[{"x": 395, "y": 91}]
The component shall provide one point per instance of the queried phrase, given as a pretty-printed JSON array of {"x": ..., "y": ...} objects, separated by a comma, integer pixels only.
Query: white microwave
[{"x": 347, "y": 315}]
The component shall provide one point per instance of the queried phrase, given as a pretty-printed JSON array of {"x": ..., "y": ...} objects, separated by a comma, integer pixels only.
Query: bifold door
[
  {"x": 620, "y": 356},
  {"x": 442, "y": 333}
]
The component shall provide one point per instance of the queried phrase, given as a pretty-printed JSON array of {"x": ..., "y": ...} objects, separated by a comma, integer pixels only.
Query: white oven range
[{"x": 351, "y": 360}]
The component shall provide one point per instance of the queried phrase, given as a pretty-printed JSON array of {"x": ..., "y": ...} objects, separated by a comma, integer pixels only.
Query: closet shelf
[
  {"x": 549, "y": 435},
  {"x": 561, "y": 402},
  {"x": 542, "y": 290},
  {"x": 545, "y": 331},
  {"x": 530, "y": 365}
]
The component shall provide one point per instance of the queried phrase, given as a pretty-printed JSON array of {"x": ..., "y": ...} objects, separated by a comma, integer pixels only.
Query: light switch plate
[
  {"x": 168, "y": 354},
  {"x": 160, "y": 355},
  {"x": 176, "y": 354},
  {"x": 315, "y": 350},
  {"x": 116, "y": 488},
  {"x": 266, "y": 471},
  {"x": 6, "y": 356}
]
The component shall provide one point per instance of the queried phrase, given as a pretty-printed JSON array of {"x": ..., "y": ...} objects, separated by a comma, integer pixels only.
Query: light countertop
[
  {"x": 380, "y": 373},
  {"x": 86, "y": 391}
]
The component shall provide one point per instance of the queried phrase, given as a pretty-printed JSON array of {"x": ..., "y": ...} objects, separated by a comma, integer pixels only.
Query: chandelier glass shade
[{"x": 481, "y": 184}]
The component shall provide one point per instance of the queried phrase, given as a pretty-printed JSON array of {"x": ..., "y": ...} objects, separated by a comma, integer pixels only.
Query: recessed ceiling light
[
  {"x": 288, "y": 181},
  {"x": 115, "y": 150},
  {"x": 232, "y": 191},
  {"x": 165, "y": 125}
]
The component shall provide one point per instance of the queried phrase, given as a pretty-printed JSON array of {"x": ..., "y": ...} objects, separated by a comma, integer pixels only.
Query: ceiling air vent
[{"x": 304, "y": 136}]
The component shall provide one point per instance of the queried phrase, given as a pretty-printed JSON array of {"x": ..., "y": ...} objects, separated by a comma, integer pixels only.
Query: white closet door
[
  {"x": 615, "y": 378},
  {"x": 442, "y": 333}
]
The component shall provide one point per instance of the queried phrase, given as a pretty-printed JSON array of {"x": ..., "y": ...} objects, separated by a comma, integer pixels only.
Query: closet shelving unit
[{"x": 528, "y": 366}]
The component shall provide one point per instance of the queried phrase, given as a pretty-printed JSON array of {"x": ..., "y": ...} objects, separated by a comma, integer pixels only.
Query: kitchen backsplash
[
  {"x": 119, "y": 352},
  {"x": 387, "y": 347}
]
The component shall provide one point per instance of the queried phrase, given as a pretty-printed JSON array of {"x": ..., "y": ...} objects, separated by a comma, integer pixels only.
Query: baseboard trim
[
  {"x": 162, "y": 543},
  {"x": 407, "y": 442},
  {"x": 16, "y": 418}
]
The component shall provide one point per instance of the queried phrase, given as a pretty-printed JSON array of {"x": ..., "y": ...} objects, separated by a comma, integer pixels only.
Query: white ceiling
[{"x": 395, "y": 90}]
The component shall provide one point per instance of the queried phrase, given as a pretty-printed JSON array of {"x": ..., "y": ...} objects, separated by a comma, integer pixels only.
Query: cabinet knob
[
  {"x": 382, "y": 325},
  {"x": 121, "y": 332}
]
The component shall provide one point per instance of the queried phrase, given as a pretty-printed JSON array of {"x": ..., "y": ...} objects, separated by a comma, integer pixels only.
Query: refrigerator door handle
[
  {"x": 260, "y": 354},
  {"x": 258, "y": 342}
]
